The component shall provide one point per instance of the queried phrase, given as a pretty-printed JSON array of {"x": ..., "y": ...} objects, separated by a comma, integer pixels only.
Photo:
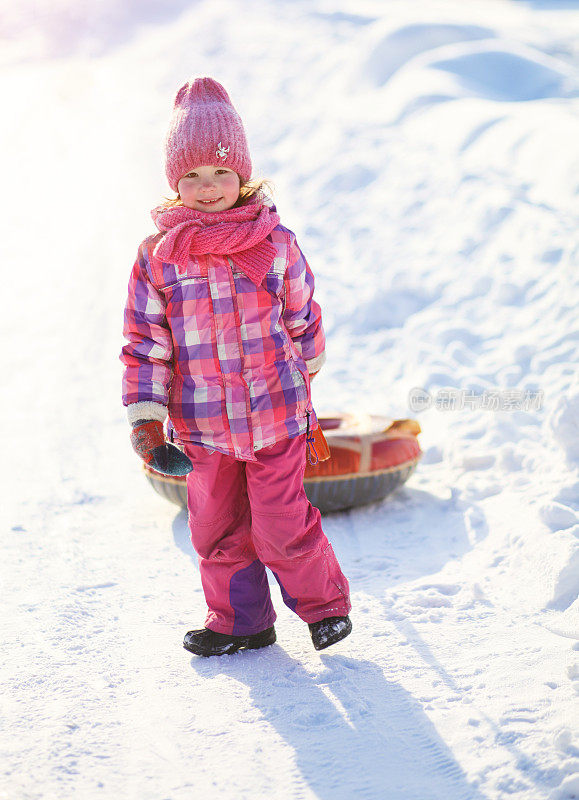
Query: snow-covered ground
[{"x": 427, "y": 155}]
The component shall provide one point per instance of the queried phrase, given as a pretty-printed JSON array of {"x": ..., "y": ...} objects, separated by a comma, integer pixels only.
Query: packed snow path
[{"x": 426, "y": 155}]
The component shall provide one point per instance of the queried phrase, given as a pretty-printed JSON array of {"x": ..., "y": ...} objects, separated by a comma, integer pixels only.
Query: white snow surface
[{"x": 427, "y": 155}]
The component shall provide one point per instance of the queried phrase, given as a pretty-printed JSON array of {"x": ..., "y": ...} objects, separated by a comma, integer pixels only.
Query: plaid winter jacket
[{"x": 229, "y": 359}]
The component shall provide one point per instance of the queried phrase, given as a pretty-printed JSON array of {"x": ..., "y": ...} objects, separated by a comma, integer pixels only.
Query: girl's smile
[{"x": 209, "y": 188}]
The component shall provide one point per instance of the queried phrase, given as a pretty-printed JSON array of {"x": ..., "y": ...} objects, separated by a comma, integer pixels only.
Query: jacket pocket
[
  {"x": 301, "y": 384},
  {"x": 185, "y": 280},
  {"x": 299, "y": 373}
]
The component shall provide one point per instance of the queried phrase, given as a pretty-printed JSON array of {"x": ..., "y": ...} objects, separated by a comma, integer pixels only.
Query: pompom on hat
[{"x": 205, "y": 129}]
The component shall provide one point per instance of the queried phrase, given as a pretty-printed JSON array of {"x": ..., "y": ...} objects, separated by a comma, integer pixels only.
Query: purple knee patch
[{"x": 250, "y": 600}]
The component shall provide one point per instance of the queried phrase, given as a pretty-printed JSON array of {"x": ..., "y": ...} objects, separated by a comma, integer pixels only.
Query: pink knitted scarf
[{"x": 238, "y": 232}]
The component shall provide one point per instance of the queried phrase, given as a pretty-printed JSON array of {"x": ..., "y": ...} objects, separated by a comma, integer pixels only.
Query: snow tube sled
[{"x": 370, "y": 457}]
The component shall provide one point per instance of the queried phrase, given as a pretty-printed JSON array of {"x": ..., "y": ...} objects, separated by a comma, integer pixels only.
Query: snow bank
[
  {"x": 480, "y": 69},
  {"x": 392, "y": 49}
]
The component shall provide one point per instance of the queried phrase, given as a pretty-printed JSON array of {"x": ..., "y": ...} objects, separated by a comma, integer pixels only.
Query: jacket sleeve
[
  {"x": 148, "y": 355},
  {"x": 302, "y": 315}
]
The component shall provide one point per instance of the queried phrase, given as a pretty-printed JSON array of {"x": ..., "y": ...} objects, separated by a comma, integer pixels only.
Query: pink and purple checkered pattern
[{"x": 228, "y": 358}]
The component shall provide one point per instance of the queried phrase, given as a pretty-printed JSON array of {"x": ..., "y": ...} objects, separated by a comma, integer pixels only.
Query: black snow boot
[
  {"x": 210, "y": 643},
  {"x": 329, "y": 631}
]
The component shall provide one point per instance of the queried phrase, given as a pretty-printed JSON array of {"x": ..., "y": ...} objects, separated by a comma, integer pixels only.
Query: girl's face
[{"x": 209, "y": 188}]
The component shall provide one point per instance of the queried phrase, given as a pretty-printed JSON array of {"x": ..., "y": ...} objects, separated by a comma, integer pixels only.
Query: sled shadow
[
  {"x": 411, "y": 534},
  {"x": 353, "y": 732}
]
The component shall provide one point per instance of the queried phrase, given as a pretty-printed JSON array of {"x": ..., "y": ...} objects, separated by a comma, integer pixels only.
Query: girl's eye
[
  {"x": 191, "y": 175},
  {"x": 222, "y": 172}
]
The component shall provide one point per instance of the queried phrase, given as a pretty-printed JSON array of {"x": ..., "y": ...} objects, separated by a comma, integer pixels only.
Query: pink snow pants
[{"x": 247, "y": 514}]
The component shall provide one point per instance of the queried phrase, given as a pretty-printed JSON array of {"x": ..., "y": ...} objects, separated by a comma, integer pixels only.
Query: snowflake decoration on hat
[{"x": 221, "y": 151}]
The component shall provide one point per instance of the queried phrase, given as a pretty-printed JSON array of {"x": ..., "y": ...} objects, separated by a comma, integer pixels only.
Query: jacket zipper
[{"x": 311, "y": 451}]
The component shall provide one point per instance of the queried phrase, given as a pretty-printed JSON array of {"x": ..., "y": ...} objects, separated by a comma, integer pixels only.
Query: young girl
[{"x": 223, "y": 337}]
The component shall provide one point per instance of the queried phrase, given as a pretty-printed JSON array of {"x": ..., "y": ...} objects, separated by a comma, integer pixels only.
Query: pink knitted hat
[{"x": 205, "y": 129}]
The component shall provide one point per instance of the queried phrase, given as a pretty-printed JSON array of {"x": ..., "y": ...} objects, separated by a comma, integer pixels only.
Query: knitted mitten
[
  {"x": 147, "y": 434},
  {"x": 149, "y": 443}
]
